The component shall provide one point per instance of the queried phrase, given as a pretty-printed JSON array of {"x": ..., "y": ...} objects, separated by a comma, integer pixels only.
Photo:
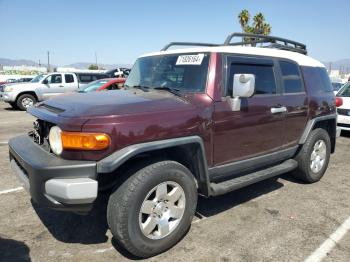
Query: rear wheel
[
  {"x": 24, "y": 101},
  {"x": 153, "y": 209},
  {"x": 314, "y": 156}
]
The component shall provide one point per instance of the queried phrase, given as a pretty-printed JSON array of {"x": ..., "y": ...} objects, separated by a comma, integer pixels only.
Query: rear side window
[
  {"x": 317, "y": 79},
  {"x": 69, "y": 78},
  {"x": 291, "y": 77},
  {"x": 85, "y": 78},
  {"x": 265, "y": 83}
]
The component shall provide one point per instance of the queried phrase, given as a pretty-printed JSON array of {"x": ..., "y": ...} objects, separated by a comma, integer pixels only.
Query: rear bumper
[
  {"x": 51, "y": 181},
  {"x": 343, "y": 122}
]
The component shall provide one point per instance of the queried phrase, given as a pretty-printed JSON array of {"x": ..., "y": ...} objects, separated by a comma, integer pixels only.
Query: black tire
[
  {"x": 125, "y": 203},
  {"x": 21, "y": 98},
  {"x": 304, "y": 171},
  {"x": 13, "y": 105}
]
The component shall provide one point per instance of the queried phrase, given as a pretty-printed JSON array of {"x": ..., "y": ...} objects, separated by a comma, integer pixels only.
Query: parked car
[
  {"x": 205, "y": 120},
  {"x": 24, "y": 79},
  {"x": 103, "y": 85},
  {"x": 119, "y": 72},
  {"x": 42, "y": 87},
  {"x": 343, "y": 110},
  {"x": 336, "y": 86}
]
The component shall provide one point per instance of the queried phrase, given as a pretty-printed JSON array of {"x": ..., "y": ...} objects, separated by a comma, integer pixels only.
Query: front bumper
[
  {"x": 51, "y": 181},
  {"x": 7, "y": 97}
]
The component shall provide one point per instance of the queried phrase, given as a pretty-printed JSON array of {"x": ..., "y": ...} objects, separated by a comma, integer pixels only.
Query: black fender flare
[{"x": 116, "y": 159}]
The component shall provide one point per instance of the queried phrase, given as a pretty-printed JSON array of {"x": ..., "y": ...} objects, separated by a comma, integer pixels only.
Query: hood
[
  {"x": 24, "y": 86},
  {"x": 118, "y": 102}
]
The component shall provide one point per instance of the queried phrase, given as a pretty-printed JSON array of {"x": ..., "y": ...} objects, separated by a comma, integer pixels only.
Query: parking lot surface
[{"x": 274, "y": 220}]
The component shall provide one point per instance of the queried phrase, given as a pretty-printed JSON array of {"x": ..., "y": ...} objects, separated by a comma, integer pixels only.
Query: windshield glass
[
  {"x": 93, "y": 86},
  {"x": 345, "y": 90},
  {"x": 183, "y": 72},
  {"x": 37, "y": 78}
]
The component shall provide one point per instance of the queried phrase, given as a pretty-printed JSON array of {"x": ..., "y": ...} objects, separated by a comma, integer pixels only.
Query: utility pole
[
  {"x": 39, "y": 63},
  {"x": 48, "y": 62},
  {"x": 96, "y": 60}
]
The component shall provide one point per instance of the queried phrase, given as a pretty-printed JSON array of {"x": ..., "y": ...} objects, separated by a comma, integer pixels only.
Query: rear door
[
  {"x": 70, "y": 82},
  {"x": 257, "y": 129},
  {"x": 294, "y": 99}
]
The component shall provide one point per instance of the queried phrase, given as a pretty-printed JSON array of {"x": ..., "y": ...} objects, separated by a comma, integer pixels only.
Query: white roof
[{"x": 301, "y": 59}]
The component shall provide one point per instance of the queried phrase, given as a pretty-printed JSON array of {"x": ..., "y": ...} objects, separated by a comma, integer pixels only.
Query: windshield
[
  {"x": 93, "y": 86},
  {"x": 37, "y": 78},
  {"x": 183, "y": 72},
  {"x": 345, "y": 90}
]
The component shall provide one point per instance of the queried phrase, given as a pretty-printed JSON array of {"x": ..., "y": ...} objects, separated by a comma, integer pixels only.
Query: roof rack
[
  {"x": 275, "y": 42},
  {"x": 186, "y": 44},
  {"x": 251, "y": 40}
]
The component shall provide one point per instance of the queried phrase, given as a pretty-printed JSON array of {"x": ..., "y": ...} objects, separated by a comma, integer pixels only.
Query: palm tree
[
  {"x": 259, "y": 21},
  {"x": 243, "y": 18},
  {"x": 266, "y": 29}
]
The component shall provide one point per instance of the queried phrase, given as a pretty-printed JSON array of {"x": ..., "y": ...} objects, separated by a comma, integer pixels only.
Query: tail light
[{"x": 338, "y": 101}]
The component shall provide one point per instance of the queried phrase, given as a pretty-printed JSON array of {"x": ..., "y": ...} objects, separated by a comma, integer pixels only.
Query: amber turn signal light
[{"x": 85, "y": 141}]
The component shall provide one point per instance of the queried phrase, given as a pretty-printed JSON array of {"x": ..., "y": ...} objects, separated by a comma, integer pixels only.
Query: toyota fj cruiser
[{"x": 205, "y": 120}]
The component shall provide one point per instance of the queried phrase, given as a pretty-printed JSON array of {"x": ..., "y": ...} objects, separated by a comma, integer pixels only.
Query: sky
[{"x": 120, "y": 31}]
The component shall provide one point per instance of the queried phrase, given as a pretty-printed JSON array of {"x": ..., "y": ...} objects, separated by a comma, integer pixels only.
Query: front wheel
[
  {"x": 153, "y": 209},
  {"x": 24, "y": 101}
]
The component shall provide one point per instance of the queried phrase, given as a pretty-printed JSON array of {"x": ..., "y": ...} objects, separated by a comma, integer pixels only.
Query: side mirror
[
  {"x": 243, "y": 86},
  {"x": 45, "y": 82}
]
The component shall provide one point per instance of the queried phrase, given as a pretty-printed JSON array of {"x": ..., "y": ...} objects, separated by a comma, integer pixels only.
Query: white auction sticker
[{"x": 190, "y": 59}]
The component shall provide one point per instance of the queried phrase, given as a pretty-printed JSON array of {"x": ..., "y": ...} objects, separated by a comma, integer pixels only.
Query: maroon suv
[{"x": 206, "y": 120}]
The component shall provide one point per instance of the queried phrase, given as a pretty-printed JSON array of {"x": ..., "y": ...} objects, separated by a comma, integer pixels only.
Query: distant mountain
[
  {"x": 85, "y": 65},
  {"x": 81, "y": 65},
  {"x": 20, "y": 62},
  {"x": 343, "y": 64}
]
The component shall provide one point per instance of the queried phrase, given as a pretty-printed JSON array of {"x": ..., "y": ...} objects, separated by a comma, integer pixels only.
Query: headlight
[
  {"x": 55, "y": 140},
  {"x": 8, "y": 89}
]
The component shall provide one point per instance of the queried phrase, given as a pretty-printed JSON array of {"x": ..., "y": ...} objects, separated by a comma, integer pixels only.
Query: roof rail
[
  {"x": 251, "y": 40},
  {"x": 275, "y": 42},
  {"x": 186, "y": 44}
]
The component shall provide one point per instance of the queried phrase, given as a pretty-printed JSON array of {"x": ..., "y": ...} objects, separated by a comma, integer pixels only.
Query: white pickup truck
[{"x": 42, "y": 87}]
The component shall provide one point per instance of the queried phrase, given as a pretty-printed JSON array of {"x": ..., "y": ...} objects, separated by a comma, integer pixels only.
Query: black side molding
[{"x": 237, "y": 183}]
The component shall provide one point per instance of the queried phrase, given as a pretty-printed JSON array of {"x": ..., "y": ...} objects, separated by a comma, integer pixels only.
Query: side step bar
[{"x": 239, "y": 182}]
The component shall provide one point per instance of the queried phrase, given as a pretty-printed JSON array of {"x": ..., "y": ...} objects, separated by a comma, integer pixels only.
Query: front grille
[
  {"x": 344, "y": 112},
  {"x": 40, "y": 133}
]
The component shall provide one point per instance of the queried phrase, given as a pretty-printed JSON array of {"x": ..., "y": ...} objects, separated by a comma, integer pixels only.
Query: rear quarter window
[
  {"x": 292, "y": 82},
  {"x": 316, "y": 79}
]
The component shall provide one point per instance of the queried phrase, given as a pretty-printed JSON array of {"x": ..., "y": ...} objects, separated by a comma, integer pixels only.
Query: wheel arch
[
  {"x": 328, "y": 123},
  {"x": 27, "y": 92},
  {"x": 188, "y": 151}
]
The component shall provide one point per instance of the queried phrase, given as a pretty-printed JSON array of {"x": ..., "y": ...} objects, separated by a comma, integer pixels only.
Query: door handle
[
  {"x": 60, "y": 86},
  {"x": 277, "y": 110}
]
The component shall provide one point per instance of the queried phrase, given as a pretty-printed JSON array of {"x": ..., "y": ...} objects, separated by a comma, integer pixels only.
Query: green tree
[
  {"x": 93, "y": 67},
  {"x": 243, "y": 18},
  {"x": 259, "y": 25}
]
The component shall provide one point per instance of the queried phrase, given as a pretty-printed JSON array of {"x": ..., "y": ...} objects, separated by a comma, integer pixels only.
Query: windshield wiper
[
  {"x": 143, "y": 88},
  {"x": 174, "y": 91}
]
